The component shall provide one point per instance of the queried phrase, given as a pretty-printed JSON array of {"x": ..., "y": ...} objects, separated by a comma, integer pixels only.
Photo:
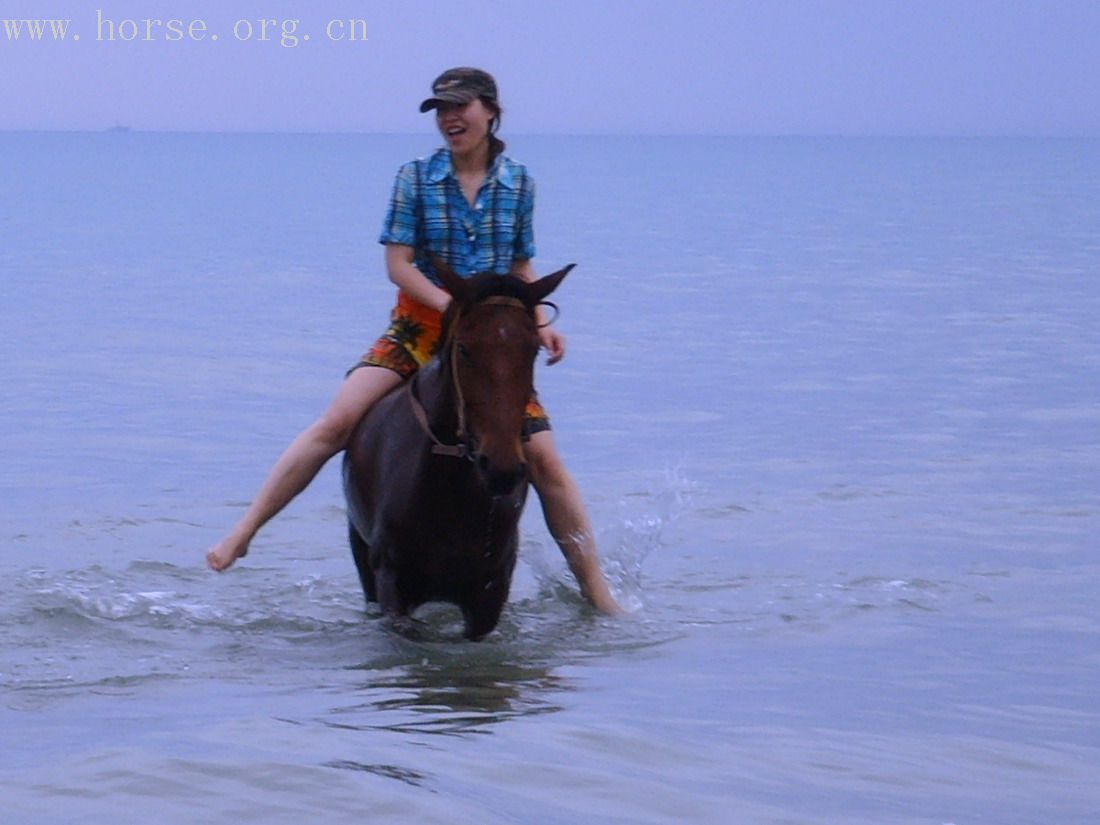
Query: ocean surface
[{"x": 834, "y": 405}]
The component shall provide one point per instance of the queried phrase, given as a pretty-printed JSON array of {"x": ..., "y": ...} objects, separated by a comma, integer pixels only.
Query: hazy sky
[{"x": 752, "y": 67}]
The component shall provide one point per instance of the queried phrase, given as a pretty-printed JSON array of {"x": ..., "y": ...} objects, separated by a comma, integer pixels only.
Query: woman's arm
[
  {"x": 411, "y": 281},
  {"x": 552, "y": 340}
]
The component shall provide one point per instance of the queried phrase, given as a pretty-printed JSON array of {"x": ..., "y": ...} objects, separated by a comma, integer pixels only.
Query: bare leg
[
  {"x": 567, "y": 520},
  {"x": 304, "y": 458}
]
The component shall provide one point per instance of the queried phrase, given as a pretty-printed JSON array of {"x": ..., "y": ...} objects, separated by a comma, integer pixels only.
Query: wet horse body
[
  {"x": 423, "y": 526},
  {"x": 434, "y": 497}
]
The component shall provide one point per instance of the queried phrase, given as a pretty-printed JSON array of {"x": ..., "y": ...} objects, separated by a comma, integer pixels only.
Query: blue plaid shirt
[{"x": 429, "y": 213}]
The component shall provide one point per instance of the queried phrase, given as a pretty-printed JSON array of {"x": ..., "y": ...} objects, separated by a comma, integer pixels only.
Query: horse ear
[
  {"x": 451, "y": 280},
  {"x": 538, "y": 290}
]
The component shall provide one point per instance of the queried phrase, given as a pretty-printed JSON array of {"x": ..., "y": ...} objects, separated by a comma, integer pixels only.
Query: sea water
[{"x": 833, "y": 404}]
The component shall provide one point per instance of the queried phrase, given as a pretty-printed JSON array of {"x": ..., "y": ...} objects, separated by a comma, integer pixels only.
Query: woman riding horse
[{"x": 472, "y": 206}]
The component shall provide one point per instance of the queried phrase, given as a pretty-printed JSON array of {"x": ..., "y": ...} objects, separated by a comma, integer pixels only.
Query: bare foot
[{"x": 222, "y": 555}]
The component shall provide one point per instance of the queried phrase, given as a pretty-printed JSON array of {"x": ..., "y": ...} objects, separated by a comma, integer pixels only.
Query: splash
[
  {"x": 625, "y": 540},
  {"x": 644, "y": 519}
]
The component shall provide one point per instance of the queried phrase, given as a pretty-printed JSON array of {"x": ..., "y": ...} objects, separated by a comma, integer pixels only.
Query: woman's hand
[
  {"x": 553, "y": 342},
  {"x": 549, "y": 338},
  {"x": 411, "y": 281}
]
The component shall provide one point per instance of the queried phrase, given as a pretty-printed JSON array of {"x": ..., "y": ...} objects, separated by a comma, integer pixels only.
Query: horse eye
[{"x": 463, "y": 353}]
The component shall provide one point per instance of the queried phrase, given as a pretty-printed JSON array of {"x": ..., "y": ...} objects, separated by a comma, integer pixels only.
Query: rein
[{"x": 462, "y": 448}]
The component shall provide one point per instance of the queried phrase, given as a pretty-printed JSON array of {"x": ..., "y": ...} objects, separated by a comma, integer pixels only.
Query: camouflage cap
[{"x": 460, "y": 86}]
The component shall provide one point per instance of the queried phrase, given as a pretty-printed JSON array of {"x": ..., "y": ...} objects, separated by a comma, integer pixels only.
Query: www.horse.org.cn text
[{"x": 288, "y": 33}]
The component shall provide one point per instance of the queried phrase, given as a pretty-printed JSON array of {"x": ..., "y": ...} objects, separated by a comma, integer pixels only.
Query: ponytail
[{"x": 496, "y": 145}]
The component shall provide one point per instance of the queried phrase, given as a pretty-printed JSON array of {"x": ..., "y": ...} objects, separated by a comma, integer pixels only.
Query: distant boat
[{"x": 118, "y": 127}]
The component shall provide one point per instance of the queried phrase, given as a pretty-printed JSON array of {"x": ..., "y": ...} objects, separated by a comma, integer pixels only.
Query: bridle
[{"x": 462, "y": 448}]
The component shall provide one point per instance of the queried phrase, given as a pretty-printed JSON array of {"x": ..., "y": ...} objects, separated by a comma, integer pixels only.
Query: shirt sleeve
[
  {"x": 399, "y": 225},
  {"x": 525, "y": 214}
]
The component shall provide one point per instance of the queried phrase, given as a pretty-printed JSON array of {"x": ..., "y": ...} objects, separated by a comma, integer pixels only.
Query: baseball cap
[{"x": 460, "y": 86}]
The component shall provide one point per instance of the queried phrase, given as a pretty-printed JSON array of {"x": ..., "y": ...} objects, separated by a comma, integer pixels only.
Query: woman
[{"x": 472, "y": 206}]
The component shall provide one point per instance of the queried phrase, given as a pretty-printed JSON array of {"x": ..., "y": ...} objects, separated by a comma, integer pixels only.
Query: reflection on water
[{"x": 459, "y": 698}]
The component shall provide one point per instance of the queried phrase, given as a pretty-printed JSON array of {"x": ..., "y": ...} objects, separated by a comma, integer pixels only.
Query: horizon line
[{"x": 119, "y": 129}]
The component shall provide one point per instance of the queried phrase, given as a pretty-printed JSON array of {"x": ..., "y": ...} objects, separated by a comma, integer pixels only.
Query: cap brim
[{"x": 447, "y": 99}]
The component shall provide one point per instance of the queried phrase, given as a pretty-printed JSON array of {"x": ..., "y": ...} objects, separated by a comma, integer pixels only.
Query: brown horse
[{"x": 434, "y": 473}]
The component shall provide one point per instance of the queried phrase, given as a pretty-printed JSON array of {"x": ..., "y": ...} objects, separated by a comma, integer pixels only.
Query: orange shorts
[{"x": 413, "y": 338}]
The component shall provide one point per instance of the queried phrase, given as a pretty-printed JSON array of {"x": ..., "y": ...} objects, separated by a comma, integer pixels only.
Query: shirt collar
[{"x": 440, "y": 167}]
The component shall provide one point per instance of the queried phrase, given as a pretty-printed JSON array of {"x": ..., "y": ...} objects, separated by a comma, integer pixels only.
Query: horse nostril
[{"x": 483, "y": 464}]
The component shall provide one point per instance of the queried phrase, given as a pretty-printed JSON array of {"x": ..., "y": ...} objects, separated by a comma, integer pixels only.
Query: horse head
[{"x": 489, "y": 343}]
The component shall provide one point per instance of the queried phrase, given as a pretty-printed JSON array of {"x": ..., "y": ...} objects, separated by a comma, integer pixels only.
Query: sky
[{"x": 752, "y": 67}]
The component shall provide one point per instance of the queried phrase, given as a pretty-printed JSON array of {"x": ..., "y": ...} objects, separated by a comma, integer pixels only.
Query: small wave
[
  {"x": 406, "y": 775},
  {"x": 163, "y": 596},
  {"x": 109, "y": 602},
  {"x": 762, "y": 603},
  {"x": 114, "y": 684}
]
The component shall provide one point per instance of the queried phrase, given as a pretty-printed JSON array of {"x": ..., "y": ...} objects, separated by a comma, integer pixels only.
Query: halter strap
[
  {"x": 501, "y": 300},
  {"x": 438, "y": 447}
]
